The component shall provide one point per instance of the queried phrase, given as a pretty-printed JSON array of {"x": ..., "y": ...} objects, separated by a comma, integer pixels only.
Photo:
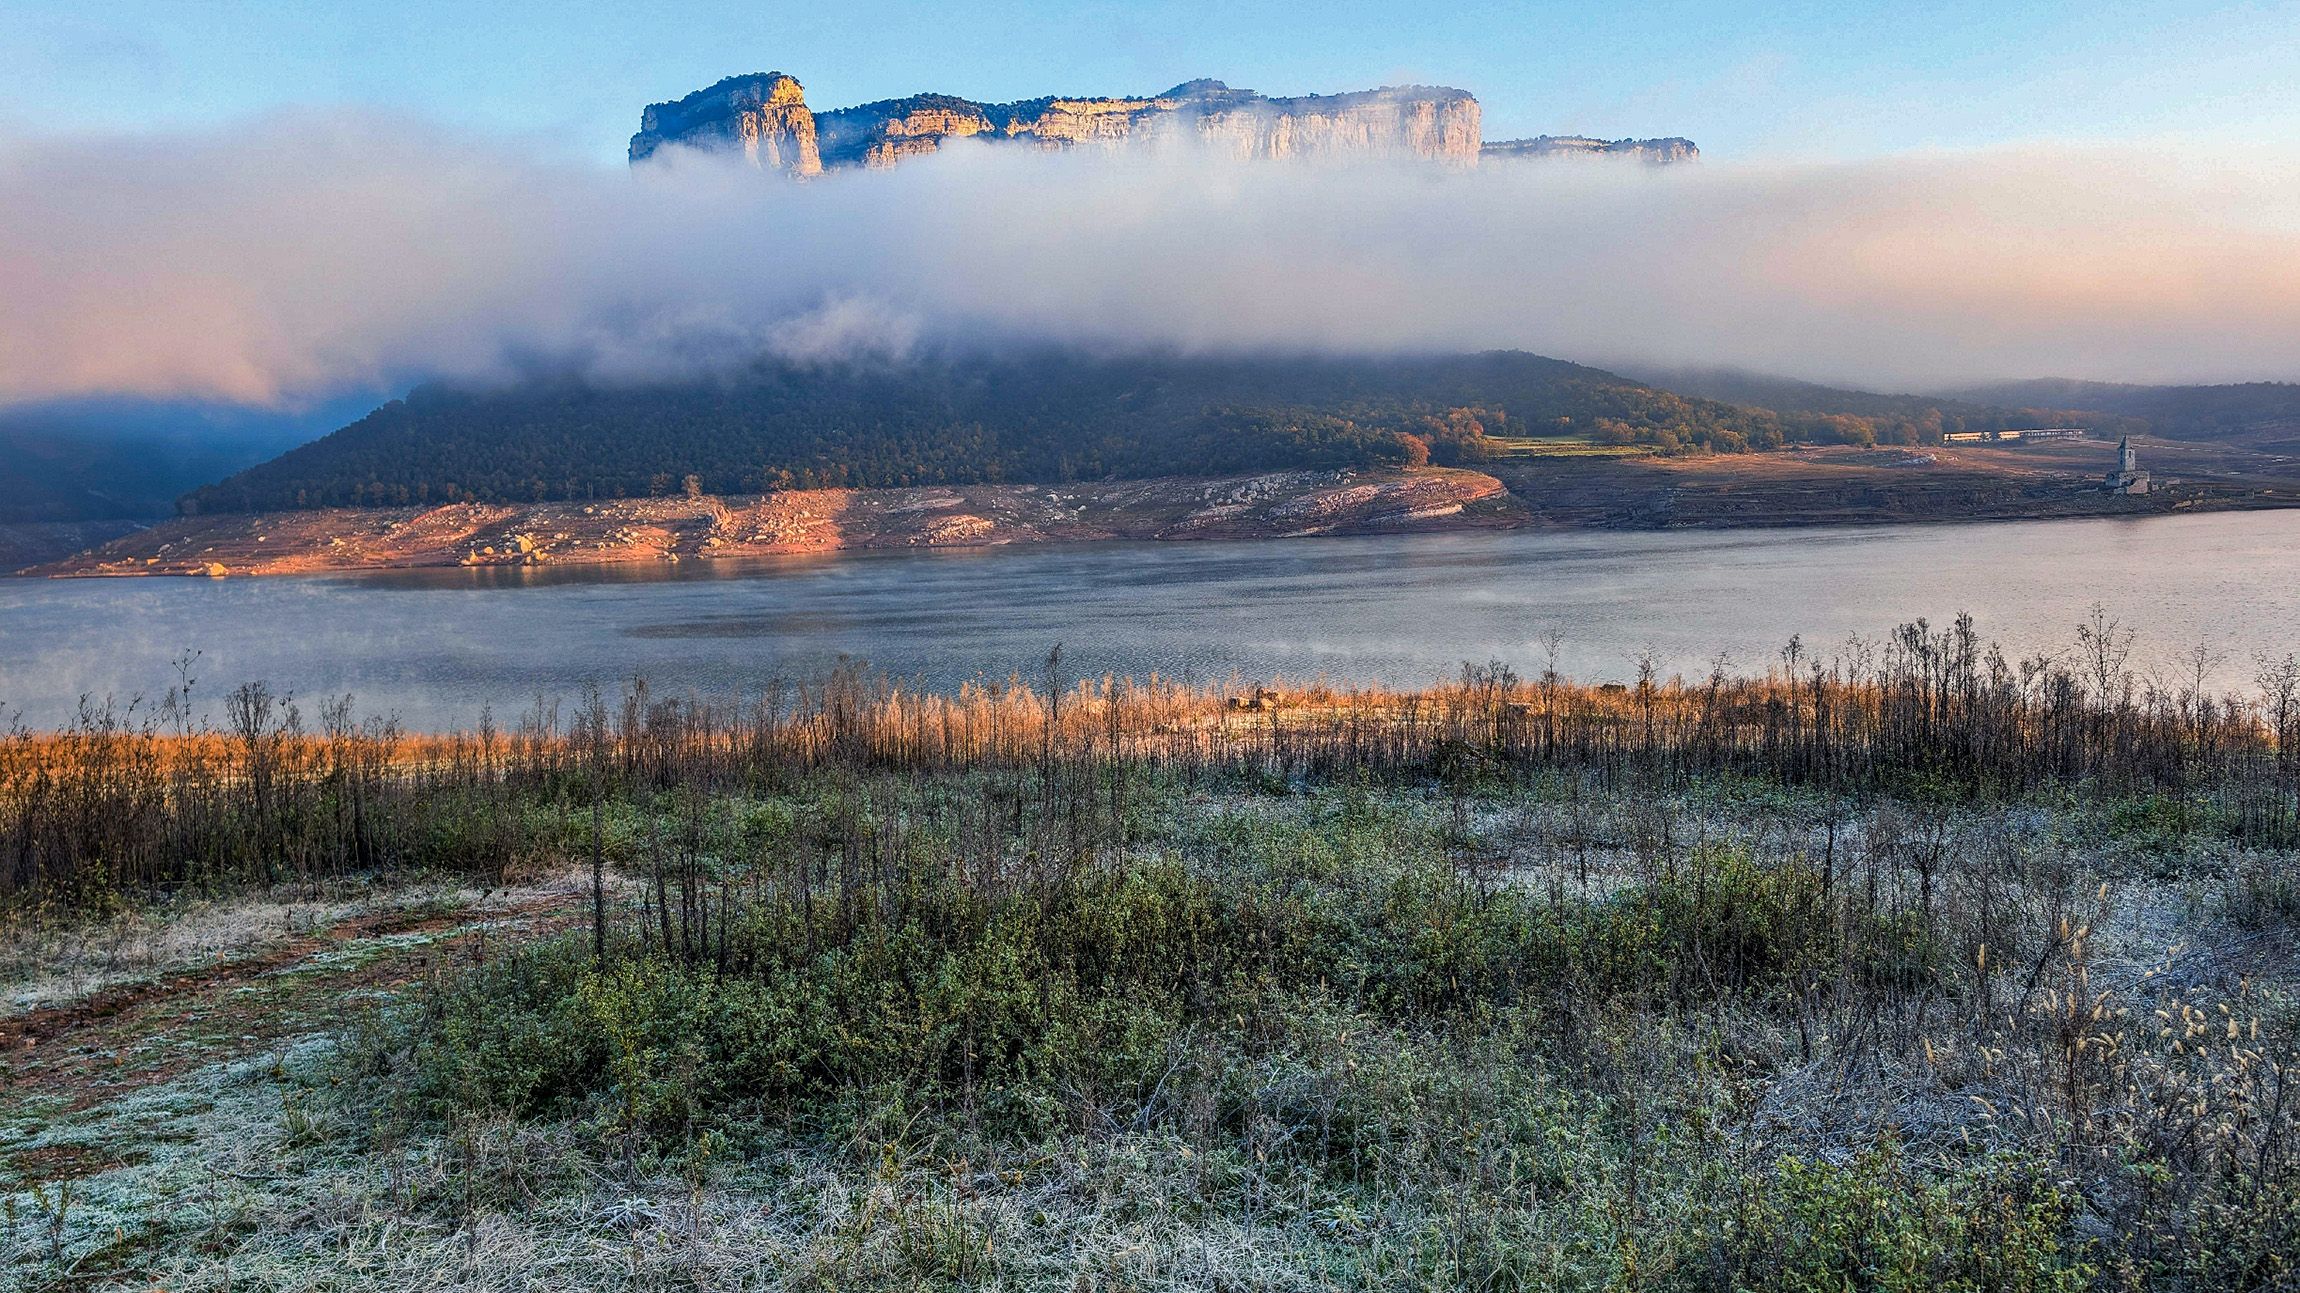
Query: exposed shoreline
[
  {"x": 1823, "y": 487},
  {"x": 706, "y": 527}
]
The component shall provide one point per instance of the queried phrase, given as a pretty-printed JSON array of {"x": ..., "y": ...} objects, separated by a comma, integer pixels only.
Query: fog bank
[{"x": 302, "y": 256}]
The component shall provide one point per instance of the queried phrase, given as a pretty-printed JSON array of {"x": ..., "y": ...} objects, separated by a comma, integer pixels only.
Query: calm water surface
[{"x": 435, "y": 646}]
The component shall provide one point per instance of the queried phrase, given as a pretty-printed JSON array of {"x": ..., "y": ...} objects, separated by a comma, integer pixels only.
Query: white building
[{"x": 2128, "y": 478}]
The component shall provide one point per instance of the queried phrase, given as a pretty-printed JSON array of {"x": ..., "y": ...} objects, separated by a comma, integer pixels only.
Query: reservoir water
[{"x": 434, "y": 647}]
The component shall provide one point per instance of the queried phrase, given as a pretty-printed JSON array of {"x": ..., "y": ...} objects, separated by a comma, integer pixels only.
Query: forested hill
[
  {"x": 1903, "y": 419},
  {"x": 951, "y": 419},
  {"x": 2264, "y": 414},
  {"x": 2261, "y": 415}
]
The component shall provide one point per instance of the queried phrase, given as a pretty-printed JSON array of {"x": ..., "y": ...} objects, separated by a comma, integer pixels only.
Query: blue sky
[{"x": 1758, "y": 80}]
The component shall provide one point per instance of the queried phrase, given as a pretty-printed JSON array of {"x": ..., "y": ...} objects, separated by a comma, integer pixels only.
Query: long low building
[{"x": 2020, "y": 433}]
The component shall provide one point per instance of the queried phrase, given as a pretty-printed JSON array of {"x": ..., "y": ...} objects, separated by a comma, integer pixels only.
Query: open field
[
  {"x": 1926, "y": 970},
  {"x": 1508, "y": 447}
]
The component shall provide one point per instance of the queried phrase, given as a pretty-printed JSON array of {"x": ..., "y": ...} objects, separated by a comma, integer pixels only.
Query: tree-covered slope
[
  {"x": 1898, "y": 419},
  {"x": 2236, "y": 411},
  {"x": 1018, "y": 415}
]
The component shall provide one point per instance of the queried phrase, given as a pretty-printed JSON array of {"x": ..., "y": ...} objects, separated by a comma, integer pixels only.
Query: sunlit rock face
[
  {"x": 883, "y": 133},
  {"x": 764, "y": 116},
  {"x": 1672, "y": 149},
  {"x": 767, "y": 119},
  {"x": 1429, "y": 122}
]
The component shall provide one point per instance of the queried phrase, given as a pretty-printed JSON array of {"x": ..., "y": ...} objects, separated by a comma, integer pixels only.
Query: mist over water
[
  {"x": 436, "y": 646},
  {"x": 290, "y": 258}
]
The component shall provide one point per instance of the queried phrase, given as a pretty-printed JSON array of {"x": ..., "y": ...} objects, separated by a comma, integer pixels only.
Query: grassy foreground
[{"x": 1750, "y": 984}]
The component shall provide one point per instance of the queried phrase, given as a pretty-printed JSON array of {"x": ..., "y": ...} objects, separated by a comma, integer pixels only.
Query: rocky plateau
[{"x": 765, "y": 118}]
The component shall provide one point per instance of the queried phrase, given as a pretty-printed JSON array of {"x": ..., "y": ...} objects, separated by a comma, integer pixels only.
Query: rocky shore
[
  {"x": 1838, "y": 486},
  {"x": 706, "y": 527}
]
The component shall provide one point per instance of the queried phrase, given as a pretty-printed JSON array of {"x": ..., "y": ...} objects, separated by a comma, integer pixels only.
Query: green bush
[
  {"x": 1725, "y": 925},
  {"x": 1875, "y": 1223},
  {"x": 1082, "y": 984},
  {"x": 2160, "y": 822}
]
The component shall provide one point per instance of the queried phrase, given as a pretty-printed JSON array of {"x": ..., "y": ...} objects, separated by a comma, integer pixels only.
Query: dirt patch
[
  {"x": 125, "y": 1038},
  {"x": 53, "y": 1163},
  {"x": 25, "y": 1031}
]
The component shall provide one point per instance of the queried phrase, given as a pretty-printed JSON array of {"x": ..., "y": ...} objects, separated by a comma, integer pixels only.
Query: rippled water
[{"x": 434, "y": 646}]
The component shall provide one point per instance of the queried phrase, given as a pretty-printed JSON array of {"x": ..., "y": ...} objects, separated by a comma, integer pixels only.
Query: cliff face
[
  {"x": 1671, "y": 149},
  {"x": 1404, "y": 121},
  {"x": 767, "y": 118},
  {"x": 764, "y": 115},
  {"x": 883, "y": 133}
]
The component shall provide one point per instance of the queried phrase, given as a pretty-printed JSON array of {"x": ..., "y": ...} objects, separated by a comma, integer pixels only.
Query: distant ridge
[
  {"x": 961, "y": 417},
  {"x": 1674, "y": 148},
  {"x": 2262, "y": 415},
  {"x": 764, "y": 116}
]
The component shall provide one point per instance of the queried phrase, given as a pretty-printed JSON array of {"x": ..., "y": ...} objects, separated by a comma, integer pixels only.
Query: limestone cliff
[
  {"x": 1671, "y": 149},
  {"x": 767, "y": 118},
  {"x": 1398, "y": 121},
  {"x": 764, "y": 116},
  {"x": 883, "y": 133}
]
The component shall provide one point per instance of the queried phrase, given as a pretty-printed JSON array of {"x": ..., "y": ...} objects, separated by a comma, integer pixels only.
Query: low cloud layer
[{"x": 300, "y": 257}]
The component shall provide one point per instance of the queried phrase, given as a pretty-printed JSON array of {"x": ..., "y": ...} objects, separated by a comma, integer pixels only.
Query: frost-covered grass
[
  {"x": 183, "y": 1151},
  {"x": 56, "y": 958},
  {"x": 959, "y": 1031}
]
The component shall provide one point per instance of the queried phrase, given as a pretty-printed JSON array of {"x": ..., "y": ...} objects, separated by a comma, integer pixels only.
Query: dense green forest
[
  {"x": 950, "y": 419},
  {"x": 1024, "y": 416}
]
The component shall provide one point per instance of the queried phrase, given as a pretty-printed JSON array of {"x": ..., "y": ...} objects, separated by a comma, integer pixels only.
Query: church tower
[{"x": 2128, "y": 478}]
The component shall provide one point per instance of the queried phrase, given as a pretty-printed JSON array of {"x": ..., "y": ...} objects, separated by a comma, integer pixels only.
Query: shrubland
[{"x": 1913, "y": 968}]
